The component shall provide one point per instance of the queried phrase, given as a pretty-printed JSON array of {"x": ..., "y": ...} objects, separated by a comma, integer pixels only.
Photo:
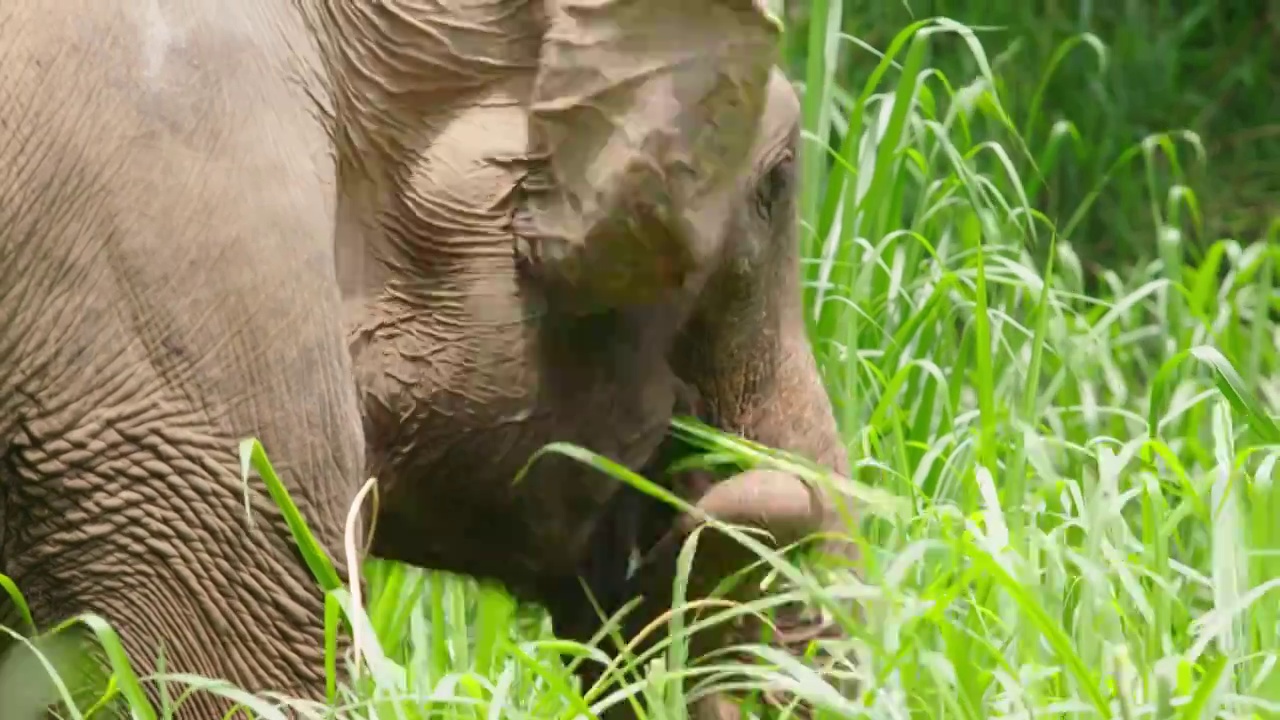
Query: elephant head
[
  {"x": 562, "y": 220},
  {"x": 743, "y": 354}
]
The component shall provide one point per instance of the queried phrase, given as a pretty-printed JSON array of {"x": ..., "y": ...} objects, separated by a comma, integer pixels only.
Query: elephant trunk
[
  {"x": 793, "y": 413},
  {"x": 770, "y": 500},
  {"x": 773, "y": 397},
  {"x": 745, "y": 353},
  {"x": 789, "y": 509}
]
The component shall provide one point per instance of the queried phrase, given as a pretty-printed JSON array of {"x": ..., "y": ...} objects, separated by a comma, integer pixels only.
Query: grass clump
[{"x": 1086, "y": 459}]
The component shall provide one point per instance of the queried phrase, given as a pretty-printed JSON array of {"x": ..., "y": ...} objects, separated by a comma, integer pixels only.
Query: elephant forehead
[
  {"x": 461, "y": 182},
  {"x": 781, "y": 114}
]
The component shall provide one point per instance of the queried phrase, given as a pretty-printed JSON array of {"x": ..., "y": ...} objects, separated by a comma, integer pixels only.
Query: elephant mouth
[{"x": 645, "y": 527}]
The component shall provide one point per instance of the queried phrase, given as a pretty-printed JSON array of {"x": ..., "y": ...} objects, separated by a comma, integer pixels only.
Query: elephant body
[
  {"x": 413, "y": 240},
  {"x": 167, "y": 286}
]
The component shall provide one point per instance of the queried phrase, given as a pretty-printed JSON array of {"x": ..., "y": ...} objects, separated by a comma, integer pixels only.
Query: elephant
[{"x": 412, "y": 240}]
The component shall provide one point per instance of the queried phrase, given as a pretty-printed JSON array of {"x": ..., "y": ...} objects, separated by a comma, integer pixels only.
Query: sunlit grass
[{"x": 1072, "y": 509}]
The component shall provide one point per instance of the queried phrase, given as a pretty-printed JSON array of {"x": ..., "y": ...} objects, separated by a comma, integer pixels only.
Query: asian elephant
[{"x": 411, "y": 239}]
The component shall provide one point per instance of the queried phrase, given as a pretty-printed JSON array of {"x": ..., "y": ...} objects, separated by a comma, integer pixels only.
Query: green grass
[
  {"x": 1076, "y": 513},
  {"x": 1107, "y": 74}
]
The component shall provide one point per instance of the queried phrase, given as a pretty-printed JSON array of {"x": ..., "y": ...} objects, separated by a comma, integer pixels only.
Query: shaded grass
[
  {"x": 1071, "y": 503},
  {"x": 1106, "y": 75}
]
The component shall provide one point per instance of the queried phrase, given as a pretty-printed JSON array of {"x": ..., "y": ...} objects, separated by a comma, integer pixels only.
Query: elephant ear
[{"x": 642, "y": 119}]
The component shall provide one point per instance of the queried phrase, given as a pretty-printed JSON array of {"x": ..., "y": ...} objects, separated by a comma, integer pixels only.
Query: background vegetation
[
  {"x": 1042, "y": 263},
  {"x": 1084, "y": 84}
]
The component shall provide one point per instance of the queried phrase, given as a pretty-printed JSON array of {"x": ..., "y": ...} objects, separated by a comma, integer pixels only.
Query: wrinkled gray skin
[{"x": 214, "y": 215}]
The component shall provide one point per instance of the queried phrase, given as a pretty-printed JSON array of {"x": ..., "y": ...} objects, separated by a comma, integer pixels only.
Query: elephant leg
[{"x": 125, "y": 500}]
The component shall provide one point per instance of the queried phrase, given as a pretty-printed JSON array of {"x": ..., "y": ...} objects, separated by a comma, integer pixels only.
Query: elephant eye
[{"x": 775, "y": 186}]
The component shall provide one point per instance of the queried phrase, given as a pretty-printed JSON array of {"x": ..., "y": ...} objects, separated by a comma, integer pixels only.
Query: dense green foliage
[
  {"x": 1077, "y": 512},
  {"x": 1085, "y": 84}
]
